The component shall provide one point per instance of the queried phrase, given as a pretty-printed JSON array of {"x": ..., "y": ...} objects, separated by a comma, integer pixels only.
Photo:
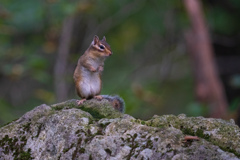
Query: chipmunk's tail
[{"x": 116, "y": 101}]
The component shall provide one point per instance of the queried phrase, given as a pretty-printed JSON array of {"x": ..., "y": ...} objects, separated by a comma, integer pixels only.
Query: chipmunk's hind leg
[
  {"x": 80, "y": 102},
  {"x": 98, "y": 97}
]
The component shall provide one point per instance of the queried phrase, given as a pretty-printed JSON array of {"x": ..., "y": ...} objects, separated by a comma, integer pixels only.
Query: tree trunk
[
  {"x": 61, "y": 60},
  {"x": 209, "y": 89}
]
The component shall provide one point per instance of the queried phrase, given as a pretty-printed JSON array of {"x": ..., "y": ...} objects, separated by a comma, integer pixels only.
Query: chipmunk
[{"x": 87, "y": 75}]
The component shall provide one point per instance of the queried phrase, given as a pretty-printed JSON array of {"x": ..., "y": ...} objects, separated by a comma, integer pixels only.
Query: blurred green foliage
[{"x": 149, "y": 68}]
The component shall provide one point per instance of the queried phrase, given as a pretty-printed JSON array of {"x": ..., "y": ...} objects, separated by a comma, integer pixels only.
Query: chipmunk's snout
[{"x": 109, "y": 53}]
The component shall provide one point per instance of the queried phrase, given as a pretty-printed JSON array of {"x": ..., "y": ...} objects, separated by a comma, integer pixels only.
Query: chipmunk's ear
[
  {"x": 104, "y": 38},
  {"x": 95, "y": 39}
]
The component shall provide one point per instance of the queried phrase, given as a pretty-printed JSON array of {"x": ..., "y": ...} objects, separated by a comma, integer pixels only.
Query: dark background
[{"x": 41, "y": 41}]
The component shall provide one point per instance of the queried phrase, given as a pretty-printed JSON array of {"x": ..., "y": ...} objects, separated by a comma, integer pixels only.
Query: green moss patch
[
  {"x": 15, "y": 146},
  {"x": 219, "y": 132},
  {"x": 98, "y": 109},
  {"x": 67, "y": 104}
]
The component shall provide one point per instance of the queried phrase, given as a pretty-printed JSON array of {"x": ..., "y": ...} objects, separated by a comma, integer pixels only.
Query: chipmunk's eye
[{"x": 101, "y": 47}]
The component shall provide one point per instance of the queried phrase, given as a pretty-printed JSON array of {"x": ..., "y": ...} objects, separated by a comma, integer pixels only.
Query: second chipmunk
[{"x": 87, "y": 75}]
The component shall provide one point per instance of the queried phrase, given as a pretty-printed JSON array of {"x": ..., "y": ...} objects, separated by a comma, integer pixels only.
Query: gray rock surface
[{"x": 96, "y": 131}]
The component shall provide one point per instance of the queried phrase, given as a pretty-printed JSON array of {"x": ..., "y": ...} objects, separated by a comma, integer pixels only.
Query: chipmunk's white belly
[{"x": 90, "y": 84}]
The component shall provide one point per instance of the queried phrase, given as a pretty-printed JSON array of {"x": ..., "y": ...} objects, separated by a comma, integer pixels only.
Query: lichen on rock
[
  {"x": 97, "y": 131},
  {"x": 224, "y": 134}
]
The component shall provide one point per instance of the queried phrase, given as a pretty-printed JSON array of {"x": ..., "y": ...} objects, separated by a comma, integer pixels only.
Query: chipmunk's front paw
[
  {"x": 80, "y": 102},
  {"x": 100, "y": 68},
  {"x": 92, "y": 69}
]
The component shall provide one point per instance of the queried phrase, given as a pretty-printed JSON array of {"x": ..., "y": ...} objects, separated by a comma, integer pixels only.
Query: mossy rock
[{"x": 95, "y": 130}]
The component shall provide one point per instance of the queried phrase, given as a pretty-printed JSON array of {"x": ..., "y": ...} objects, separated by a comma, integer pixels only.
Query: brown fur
[{"x": 89, "y": 68}]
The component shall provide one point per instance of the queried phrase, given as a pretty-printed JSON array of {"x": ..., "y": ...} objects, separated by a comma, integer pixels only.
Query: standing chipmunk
[{"x": 87, "y": 75}]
